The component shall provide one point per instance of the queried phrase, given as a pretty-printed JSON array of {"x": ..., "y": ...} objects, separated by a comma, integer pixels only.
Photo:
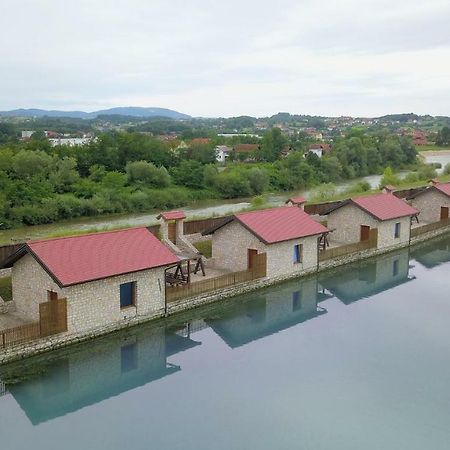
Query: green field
[{"x": 431, "y": 147}]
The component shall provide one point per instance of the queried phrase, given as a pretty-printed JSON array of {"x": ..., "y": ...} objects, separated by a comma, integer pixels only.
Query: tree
[
  {"x": 258, "y": 180},
  {"x": 388, "y": 177},
  {"x": 145, "y": 173},
  {"x": 443, "y": 136},
  {"x": 64, "y": 174},
  {"x": 233, "y": 184},
  {"x": 189, "y": 173},
  {"x": 28, "y": 163},
  {"x": 272, "y": 145}
]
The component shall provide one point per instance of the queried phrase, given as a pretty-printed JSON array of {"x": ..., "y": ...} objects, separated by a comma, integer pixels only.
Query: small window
[
  {"x": 296, "y": 300},
  {"x": 298, "y": 253},
  {"x": 397, "y": 230},
  {"x": 127, "y": 294},
  {"x": 129, "y": 357},
  {"x": 395, "y": 268}
]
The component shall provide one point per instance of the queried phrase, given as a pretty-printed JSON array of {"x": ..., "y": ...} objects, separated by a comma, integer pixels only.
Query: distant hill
[{"x": 132, "y": 111}]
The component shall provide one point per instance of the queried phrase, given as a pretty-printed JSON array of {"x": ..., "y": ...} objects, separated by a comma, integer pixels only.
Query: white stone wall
[
  {"x": 429, "y": 204},
  {"x": 30, "y": 283},
  {"x": 230, "y": 245},
  {"x": 347, "y": 220},
  {"x": 97, "y": 303},
  {"x": 89, "y": 305}
]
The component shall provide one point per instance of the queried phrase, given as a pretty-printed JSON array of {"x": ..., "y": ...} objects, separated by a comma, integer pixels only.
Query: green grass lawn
[
  {"x": 6, "y": 289},
  {"x": 204, "y": 247},
  {"x": 431, "y": 147}
]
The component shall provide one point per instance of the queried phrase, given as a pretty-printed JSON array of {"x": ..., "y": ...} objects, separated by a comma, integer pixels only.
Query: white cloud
[{"x": 209, "y": 58}]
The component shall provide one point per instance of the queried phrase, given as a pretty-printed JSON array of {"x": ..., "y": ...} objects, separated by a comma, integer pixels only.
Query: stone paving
[{"x": 11, "y": 319}]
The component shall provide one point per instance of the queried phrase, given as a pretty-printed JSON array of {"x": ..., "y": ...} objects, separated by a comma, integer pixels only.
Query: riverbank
[{"x": 194, "y": 210}]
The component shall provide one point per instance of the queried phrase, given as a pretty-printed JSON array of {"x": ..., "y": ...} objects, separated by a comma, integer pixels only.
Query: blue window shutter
[{"x": 126, "y": 294}]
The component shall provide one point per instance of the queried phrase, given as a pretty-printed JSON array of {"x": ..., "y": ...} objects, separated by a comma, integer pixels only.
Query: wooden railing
[
  {"x": 3, "y": 389},
  {"x": 430, "y": 227},
  {"x": 259, "y": 270},
  {"x": 343, "y": 250},
  {"x": 52, "y": 320},
  {"x": 20, "y": 334}
]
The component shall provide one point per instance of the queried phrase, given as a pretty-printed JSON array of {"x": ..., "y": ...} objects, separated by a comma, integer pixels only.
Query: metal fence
[
  {"x": 417, "y": 231},
  {"x": 343, "y": 250},
  {"x": 259, "y": 270}
]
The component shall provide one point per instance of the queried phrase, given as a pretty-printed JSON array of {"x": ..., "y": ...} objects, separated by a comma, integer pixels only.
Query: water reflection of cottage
[
  {"x": 433, "y": 253},
  {"x": 75, "y": 380},
  {"x": 368, "y": 278},
  {"x": 263, "y": 314}
]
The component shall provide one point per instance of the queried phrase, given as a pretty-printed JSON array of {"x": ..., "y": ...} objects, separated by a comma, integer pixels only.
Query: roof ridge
[
  {"x": 273, "y": 208},
  {"x": 94, "y": 233}
]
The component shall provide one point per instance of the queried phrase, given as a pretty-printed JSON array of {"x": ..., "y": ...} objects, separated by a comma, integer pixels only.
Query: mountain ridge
[{"x": 132, "y": 111}]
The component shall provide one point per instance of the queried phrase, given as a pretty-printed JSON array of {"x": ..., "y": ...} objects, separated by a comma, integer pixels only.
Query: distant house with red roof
[
  {"x": 105, "y": 277},
  {"x": 433, "y": 202},
  {"x": 287, "y": 235},
  {"x": 200, "y": 141},
  {"x": 319, "y": 149},
  {"x": 419, "y": 138},
  {"x": 352, "y": 220},
  {"x": 245, "y": 152}
]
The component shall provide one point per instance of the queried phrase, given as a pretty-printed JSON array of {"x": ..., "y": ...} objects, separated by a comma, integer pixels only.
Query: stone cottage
[
  {"x": 105, "y": 277},
  {"x": 433, "y": 202},
  {"x": 352, "y": 220},
  {"x": 287, "y": 235}
]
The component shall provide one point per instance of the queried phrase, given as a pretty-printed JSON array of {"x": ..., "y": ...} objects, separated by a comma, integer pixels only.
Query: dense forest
[{"x": 133, "y": 172}]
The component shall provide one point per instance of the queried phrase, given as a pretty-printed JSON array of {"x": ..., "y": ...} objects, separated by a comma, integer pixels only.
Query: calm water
[{"x": 354, "y": 359}]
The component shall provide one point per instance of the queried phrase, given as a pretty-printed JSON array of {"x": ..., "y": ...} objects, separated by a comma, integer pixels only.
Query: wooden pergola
[{"x": 181, "y": 272}]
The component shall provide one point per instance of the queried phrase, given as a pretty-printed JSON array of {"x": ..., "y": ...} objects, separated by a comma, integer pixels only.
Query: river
[
  {"x": 353, "y": 359},
  {"x": 442, "y": 157},
  {"x": 201, "y": 209}
]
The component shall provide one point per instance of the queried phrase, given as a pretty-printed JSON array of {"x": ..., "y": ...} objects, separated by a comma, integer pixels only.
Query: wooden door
[
  {"x": 444, "y": 212},
  {"x": 172, "y": 232},
  {"x": 251, "y": 255},
  {"x": 365, "y": 233},
  {"x": 53, "y": 317}
]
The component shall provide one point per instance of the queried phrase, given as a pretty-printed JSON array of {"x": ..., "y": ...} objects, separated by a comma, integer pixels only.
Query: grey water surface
[{"x": 357, "y": 358}]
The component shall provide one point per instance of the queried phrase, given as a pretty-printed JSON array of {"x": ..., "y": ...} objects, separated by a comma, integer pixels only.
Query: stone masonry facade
[
  {"x": 230, "y": 245},
  {"x": 429, "y": 204},
  {"x": 346, "y": 224},
  {"x": 89, "y": 305}
]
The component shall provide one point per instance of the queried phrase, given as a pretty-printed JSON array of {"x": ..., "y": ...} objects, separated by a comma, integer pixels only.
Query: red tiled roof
[
  {"x": 78, "y": 259},
  {"x": 280, "y": 224},
  {"x": 172, "y": 215},
  {"x": 200, "y": 141},
  {"x": 246, "y": 147},
  {"x": 384, "y": 206},
  {"x": 444, "y": 188},
  {"x": 324, "y": 147},
  {"x": 296, "y": 200}
]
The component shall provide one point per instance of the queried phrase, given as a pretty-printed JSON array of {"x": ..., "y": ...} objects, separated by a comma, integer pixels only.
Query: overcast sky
[{"x": 211, "y": 58}]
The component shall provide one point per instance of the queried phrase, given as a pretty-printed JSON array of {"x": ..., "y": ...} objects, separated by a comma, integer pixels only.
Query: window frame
[
  {"x": 298, "y": 254},
  {"x": 133, "y": 295},
  {"x": 397, "y": 230}
]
